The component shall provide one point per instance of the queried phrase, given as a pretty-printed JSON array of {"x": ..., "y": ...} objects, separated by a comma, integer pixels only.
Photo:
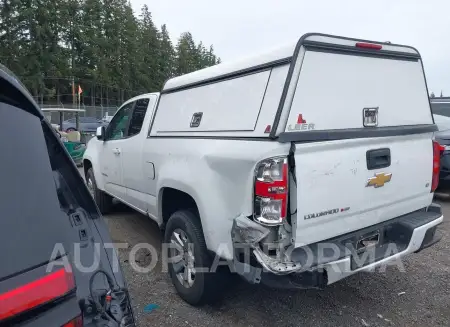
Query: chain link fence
[
  {"x": 98, "y": 112},
  {"x": 96, "y": 99}
]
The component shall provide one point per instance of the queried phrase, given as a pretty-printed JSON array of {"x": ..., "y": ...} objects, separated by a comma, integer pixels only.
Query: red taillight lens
[
  {"x": 371, "y": 46},
  {"x": 437, "y": 150},
  {"x": 271, "y": 191},
  {"x": 38, "y": 292},
  {"x": 77, "y": 322}
]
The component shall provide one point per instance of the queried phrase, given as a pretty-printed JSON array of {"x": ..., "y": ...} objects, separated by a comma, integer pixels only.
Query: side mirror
[{"x": 100, "y": 133}]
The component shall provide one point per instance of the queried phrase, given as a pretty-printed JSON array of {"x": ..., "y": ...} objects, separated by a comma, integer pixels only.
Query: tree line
[{"x": 54, "y": 46}]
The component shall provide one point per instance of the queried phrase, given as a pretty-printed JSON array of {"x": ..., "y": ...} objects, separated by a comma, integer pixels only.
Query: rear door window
[
  {"x": 31, "y": 219},
  {"x": 137, "y": 118}
]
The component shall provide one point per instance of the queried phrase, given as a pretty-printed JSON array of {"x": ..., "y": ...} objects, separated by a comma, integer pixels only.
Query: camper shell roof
[{"x": 280, "y": 56}]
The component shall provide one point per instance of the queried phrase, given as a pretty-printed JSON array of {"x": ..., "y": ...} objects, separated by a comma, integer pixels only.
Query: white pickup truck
[{"x": 299, "y": 167}]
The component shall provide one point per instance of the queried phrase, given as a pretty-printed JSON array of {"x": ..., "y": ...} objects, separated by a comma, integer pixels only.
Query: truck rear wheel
[
  {"x": 187, "y": 254},
  {"x": 103, "y": 200}
]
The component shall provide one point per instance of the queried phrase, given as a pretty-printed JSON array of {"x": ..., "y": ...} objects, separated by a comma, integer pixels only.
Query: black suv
[{"x": 57, "y": 263}]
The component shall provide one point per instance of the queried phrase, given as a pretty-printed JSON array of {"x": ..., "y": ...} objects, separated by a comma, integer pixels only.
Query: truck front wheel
[
  {"x": 189, "y": 261},
  {"x": 103, "y": 200}
]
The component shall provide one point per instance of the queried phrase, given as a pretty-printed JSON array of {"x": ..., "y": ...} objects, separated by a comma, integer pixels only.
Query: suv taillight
[
  {"x": 437, "y": 150},
  {"x": 36, "y": 293},
  {"x": 271, "y": 191},
  {"x": 76, "y": 322}
]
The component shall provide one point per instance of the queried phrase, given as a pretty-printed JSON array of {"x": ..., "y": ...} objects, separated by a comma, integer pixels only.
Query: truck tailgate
[{"x": 338, "y": 191}]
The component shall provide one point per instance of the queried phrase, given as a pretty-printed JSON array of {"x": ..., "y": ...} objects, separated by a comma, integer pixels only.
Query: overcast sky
[{"x": 241, "y": 27}]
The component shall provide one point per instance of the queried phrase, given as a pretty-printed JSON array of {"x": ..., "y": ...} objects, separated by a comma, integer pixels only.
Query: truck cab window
[
  {"x": 137, "y": 118},
  {"x": 118, "y": 127}
]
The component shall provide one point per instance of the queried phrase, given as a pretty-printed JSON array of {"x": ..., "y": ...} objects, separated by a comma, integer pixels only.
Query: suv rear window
[{"x": 31, "y": 219}]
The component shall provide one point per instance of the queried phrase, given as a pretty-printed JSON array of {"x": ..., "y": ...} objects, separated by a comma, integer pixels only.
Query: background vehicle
[
  {"x": 87, "y": 124},
  {"x": 107, "y": 118},
  {"x": 440, "y": 106},
  {"x": 442, "y": 122},
  {"x": 276, "y": 156},
  {"x": 443, "y": 138},
  {"x": 50, "y": 227},
  {"x": 74, "y": 141}
]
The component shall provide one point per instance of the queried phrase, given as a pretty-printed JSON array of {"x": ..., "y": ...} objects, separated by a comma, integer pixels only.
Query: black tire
[
  {"x": 103, "y": 200},
  {"x": 70, "y": 129},
  {"x": 208, "y": 286}
]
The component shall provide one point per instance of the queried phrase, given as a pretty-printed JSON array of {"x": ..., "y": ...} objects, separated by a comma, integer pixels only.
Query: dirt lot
[{"x": 419, "y": 297}]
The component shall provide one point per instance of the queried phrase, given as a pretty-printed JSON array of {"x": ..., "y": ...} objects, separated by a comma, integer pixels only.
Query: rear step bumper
[
  {"x": 326, "y": 262},
  {"x": 424, "y": 234}
]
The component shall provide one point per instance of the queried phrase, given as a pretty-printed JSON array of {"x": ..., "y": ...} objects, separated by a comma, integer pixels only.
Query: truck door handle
[
  {"x": 379, "y": 158},
  {"x": 116, "y": 151}
]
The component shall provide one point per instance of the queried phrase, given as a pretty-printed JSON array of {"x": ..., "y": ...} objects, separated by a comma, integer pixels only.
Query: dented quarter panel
[{"x": 218, "y": 174}]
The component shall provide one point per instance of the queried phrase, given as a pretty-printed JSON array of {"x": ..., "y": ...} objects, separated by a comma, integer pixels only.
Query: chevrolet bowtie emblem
[{"x": 379, "y": 180}]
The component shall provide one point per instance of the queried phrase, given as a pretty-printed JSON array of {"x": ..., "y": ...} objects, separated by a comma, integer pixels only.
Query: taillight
[
  {"x": 271, "y": 191},
  {"x": 77, "y": 322},
  {"x": 437, "y": 150},
  {"x": 370, "y": 46},
  {"x": 36, "y": 293}
]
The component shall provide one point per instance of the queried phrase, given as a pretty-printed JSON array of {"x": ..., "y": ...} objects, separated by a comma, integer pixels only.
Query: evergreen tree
[
  {"x": 56, "y": 45},
  {"x": 11, "y": 41},
  {"x": 186, "y": 59},
  {"x": 167, "y": 57},
  {"x": 130, "y": 56},
  {"x": 191, "y": 57},
  {"x": 150, "y": 41},
  {"x": 92, "y": 40}
]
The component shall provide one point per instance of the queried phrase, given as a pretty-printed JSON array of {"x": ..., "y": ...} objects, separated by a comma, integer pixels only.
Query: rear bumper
[
  {"x": 326, "y": 262},
  {"x": 422, "y": 237}
]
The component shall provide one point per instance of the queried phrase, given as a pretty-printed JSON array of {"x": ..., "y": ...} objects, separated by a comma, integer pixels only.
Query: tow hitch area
[
  {"x": 272, "y": 270},
  {"x": 368, "y": 241},
  {"x": 248, "y": 234},
  {"x": 265, "y": 255}
]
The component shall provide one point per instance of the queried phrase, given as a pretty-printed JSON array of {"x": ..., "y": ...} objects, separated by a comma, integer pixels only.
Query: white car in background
[{"x": 442, "y": 122}]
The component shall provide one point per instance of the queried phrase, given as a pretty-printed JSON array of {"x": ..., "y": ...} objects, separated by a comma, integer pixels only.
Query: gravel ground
[{"x": 419, "y": 297}]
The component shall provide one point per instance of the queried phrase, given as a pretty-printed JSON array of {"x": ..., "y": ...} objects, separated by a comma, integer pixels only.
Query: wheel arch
[
  {"x": 87, "y": 164},
  {"x": 90, "y": 162},
  {"x": 173, "y": 198},
  {"x": 174, "y": 195}
]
